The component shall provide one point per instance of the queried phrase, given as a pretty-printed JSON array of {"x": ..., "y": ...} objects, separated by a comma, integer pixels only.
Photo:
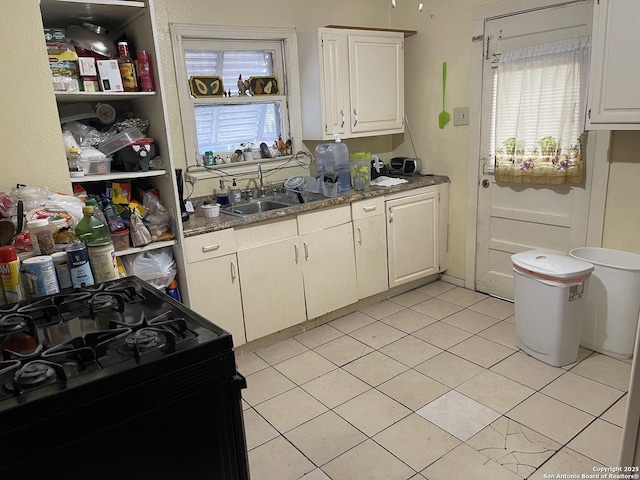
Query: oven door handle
[{"x": 237, "y": 382}]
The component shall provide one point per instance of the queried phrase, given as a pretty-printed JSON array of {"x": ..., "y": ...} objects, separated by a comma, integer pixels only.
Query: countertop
[{"x": 198, "y": 224}]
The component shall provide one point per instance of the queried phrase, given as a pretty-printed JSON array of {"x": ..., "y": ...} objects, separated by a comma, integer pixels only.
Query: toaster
[{"x": 404, "y": 166}]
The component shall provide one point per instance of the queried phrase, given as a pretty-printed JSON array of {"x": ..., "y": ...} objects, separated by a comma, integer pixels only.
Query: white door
[{"x": 515, "y": 218}]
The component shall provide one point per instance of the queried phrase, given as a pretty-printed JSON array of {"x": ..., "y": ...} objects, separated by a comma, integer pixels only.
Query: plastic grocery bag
[{"x": 156, "y": 267}]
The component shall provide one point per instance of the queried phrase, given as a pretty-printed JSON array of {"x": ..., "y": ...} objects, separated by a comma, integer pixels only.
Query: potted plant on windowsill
[{"x": 247, "y": 151}]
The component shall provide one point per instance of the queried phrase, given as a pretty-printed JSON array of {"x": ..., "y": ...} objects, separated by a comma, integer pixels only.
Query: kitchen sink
[{"x": 253, "y": 207}]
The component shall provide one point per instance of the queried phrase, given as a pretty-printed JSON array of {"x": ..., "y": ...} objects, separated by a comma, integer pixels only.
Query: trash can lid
[{"x": 552, "y": 264}]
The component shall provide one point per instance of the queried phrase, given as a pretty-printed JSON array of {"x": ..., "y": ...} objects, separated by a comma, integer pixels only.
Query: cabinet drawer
[
  {"x": 210, "y": 245},
  {"x": 323, "y": 219},
  {"x": 367, "y": 208},
  {"x": 266, "y": 233}
]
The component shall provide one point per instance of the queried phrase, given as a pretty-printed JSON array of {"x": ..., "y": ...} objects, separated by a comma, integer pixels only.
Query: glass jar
[
  {"x": 360, "y": 170},
  {"x": 41, "y": 237}
]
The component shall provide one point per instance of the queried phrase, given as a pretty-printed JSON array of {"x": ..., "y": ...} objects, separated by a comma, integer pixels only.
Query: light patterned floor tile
[
  {"x": 257, "y": 429},
  {"x": 616, "y": 414},
  {"x": 442, "y": 335},
  {"x": 316, "y": 474},
  {"x": 462, "y": 296},
  {"x": 494, "y": 307},
  {"x": 416, "y": 441},
  {"x": 335, "y": 388},
  {"x": 377, "y": 334},
  {"x": 600, "y": 441},
  {"x": 449, "y": 369},
  {"x": 410, "y": 350},
  {"x": 367, "y": 461},
  {"x": 582, "y": 393},
  {"x": 527, "y": 370},
  {"x": 409, "y": 298},
  {"x": 463, "y": 462},
  {"x": 435, "y": 288},
  {"x": 470, "y": 321},
  {"x": 607, "y": 370},
  {"x": 317, "y": 336},
  {"x": 503, "y": 333},
  {"x": 567, "y": 462},
  {"x": 281, "y": 351},
  {"x": 382, "y": 309},
  {"x": 372, "y": 412},
  {"x": 413, "y": 389},
  {"x": 550, "y": 417},
  {"x": 265, "y": 384},
  {"x": 481, "y": 351},
  {"x": 408, "y": 321},
  {"x": 458, "y": 415},
  {"x": 495, "y": 391},
  {"x": 304, "y": 367},
  {"x": 290, "y": 409},
  {"x": 352, "y": 322},
  {"x": 375, "y": 368},
  {"x": 250, "y": 363},
  {"x": 278, "y": 459},
  {"x": 325, "y": 437},
  {"x": 582, "y": 354},
  {"x": 514, "y": 446},
  {"x": 436, "y": 308},
  {"x": 343, "y": 350}
]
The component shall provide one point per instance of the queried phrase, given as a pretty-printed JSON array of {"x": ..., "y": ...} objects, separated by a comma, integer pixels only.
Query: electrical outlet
[
  {"x": 461, "y": 116},
  {"x": 192, "y": 179}
]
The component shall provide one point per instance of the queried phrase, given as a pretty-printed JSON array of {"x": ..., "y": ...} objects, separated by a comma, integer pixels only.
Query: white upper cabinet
[
  {"x": 352, "y": 82},
  {"x": 614, "y": 96}
]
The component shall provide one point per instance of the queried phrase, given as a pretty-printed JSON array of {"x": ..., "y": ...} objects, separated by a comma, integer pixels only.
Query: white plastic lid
[
  {"x": 551, "y": 264},
  {"x": 40, "y": 222}
]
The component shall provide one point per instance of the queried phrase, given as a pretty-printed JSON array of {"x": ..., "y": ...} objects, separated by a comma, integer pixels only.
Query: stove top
[{"x": 68, "y": 339}]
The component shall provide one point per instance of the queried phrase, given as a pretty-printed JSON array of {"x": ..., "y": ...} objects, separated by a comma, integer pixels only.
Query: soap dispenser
[
  {"x": 235, "y": 194},
  {"x": 222, "y": 195}
]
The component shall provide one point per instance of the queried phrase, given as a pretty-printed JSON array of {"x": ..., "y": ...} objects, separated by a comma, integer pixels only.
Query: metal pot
[{"x": 92, "y": 37}]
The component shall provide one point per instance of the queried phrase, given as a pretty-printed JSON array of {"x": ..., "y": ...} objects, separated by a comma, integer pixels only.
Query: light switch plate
[{"x": 461, "y": 116}]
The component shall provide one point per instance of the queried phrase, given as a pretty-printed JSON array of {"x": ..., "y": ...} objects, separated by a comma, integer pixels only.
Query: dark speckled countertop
[{"x": 198, "y": 224}]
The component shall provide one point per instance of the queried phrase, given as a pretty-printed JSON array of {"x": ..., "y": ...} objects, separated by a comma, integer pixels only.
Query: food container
[
  {"x": 121, "y": 140},
  {"x": 99, "y": 166},
  {"x": 211, "y": 210},
  {"x": 360, "y": 169},
  {"x": 120, "y": 239}
]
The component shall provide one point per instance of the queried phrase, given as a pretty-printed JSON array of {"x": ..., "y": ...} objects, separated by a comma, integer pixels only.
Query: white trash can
[
  {"x": 549, "y": 303},
  {"x": 612, "y": 304}
]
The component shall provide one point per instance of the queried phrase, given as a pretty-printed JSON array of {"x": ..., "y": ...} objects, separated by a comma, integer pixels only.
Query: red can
[{"x": 145, "y": 79}]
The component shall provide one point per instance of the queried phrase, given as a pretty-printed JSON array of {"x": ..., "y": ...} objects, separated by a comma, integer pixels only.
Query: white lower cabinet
[
  {"x": 214, "y": 286},
  {"x": 370, "y": 246},
  {"x": 412, "y": 237}
]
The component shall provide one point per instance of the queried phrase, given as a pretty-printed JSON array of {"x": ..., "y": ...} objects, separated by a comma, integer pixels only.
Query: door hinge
[
  {"x": 589, "y": 114},
  {"x": 477, "y": 38}
]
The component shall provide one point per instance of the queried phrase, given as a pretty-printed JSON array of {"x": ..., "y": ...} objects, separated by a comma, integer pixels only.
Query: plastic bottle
[
  {"x": 90, "y": 228},
  {"x": 172, "y": 290},
  {"x": 333, "y": 158},
  {"x": 41, "y": 237},
  {"x": 235, "y": 194},
  {"x": 127, "y": 68},
  {"x": 144, "y": 71},
  {"x": 113, "y": 219},
  {"x": 97, "y": 210},
  {"x": 10, "y": 273}
]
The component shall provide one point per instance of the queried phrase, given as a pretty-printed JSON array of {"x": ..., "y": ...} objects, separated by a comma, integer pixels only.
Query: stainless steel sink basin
[{"x": 254, "y": 206}]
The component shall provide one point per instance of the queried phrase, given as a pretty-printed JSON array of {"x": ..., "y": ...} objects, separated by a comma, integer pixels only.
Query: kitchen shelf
[
  {"x": 70, "y": 97},
  {"x": 146, "y": 248},
  {"x": 110, "y": 14},
  {"x": 118, "y": 176}
]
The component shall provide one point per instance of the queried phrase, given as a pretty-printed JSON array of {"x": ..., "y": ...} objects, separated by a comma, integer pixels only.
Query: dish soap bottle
[
  {"x": 235, "y": 195},
  {"x": 222, "y": 195}
]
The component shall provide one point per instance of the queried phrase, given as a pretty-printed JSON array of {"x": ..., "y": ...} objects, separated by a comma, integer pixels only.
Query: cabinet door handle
[
  {"x": 233, "y": 272},
  {"x": 390, "y": 215},
  {"x": 306, "y": 250},
  {"x": 355, "y": 117},
  {"x": 370, "y": 208},
  {"x": 296, "y": 249},
  {"x": 359, "y": 235},
  {"x": 210, "y": 248},
  {"x": 342, "y": 117}
]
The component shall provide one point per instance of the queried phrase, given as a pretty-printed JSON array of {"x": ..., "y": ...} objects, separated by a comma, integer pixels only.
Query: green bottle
[{"x": 90, "y": 228}]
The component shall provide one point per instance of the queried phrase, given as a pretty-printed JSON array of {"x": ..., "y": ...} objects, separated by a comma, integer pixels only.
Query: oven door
[{"x": 185, "y": 423}]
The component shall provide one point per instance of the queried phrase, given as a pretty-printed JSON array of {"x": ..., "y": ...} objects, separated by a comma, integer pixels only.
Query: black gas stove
[{"x": 121, "y": 381}]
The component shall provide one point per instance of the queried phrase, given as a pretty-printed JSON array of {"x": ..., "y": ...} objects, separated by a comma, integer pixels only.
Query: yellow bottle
[{"x": 10, "y": 273}]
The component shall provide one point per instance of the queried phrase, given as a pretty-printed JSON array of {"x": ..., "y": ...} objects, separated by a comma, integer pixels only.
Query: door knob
[{"x": 485, "y": 183}]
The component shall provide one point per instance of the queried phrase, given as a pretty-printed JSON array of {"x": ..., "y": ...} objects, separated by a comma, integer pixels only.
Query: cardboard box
[
  {"x": 56, "y": 40},
  {"x": 64, "y": 70},
  {"x": 110, "y": 80},
  {"x": 119, "y": 192}
]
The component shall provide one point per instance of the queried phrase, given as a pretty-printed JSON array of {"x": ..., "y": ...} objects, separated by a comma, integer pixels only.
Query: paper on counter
[{"x": 383, "y": 181}]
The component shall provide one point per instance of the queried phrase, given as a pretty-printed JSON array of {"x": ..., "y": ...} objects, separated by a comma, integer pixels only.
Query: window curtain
[{"x": 540, "y": 105}]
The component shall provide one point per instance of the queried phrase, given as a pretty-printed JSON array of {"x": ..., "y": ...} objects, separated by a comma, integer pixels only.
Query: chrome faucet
[{"x": 262, "y": 192}]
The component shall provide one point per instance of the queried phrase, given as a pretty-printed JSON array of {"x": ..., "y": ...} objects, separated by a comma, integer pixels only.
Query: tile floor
[{"x": 427, "y": 385}]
